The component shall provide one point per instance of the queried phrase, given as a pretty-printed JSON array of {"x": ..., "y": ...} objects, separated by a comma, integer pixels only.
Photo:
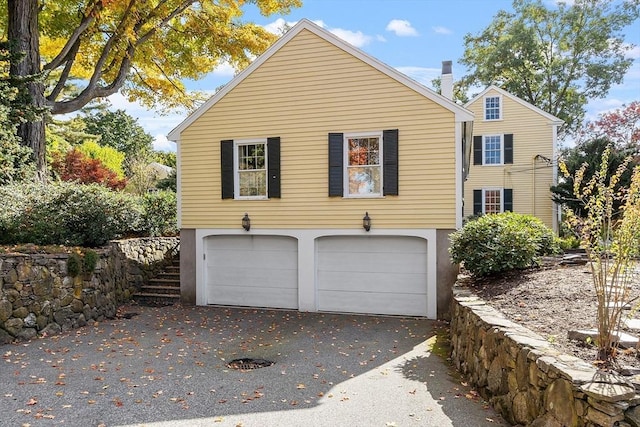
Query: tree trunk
[{"x": 24, "y": 38}]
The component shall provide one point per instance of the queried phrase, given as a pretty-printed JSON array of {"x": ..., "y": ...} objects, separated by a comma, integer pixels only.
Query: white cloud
[
  {"x": 633, "y": 52},
  {"x": 277, "y": 27},
  {"x": 224, "y": 70},
  {"x": 422, "y": 75},
  {"x": 356, "y": 38},
  {"x": 161, "y": 143},
  {"x": 401, "y": 28},
  {"x": 441, "y": 30}
]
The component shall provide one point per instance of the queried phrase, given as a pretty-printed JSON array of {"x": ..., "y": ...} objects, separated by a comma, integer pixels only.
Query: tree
[
  {"x": 144, "y": 49},
  {"x": 15, "y": 159},
  {"x": 621, "y": 126},
  {"x": 74, "y": 166},
  {"x": 119, "y": 130},
  {"x": 588, "y": 156},
  {"x": 556, "y": 59}
]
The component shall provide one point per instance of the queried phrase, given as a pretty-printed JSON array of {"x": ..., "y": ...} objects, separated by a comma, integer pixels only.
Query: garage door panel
[
  {"x": 251, "y": 259},
  {"x": 350, "y": 244},
  {"x": 374, "y": 262},
  {"x": 280, "y": 279},
  {"x": 259, "y": 271},
  {"x": 360, "y": 302},
  {"x": 254, "y": 296},
  {"x": 372, "y": 282}
]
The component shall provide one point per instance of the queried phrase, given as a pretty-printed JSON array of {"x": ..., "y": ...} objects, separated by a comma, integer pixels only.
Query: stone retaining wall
[
  {"x": 37, "y": 296},
  {"x": 527, "y": 381}
]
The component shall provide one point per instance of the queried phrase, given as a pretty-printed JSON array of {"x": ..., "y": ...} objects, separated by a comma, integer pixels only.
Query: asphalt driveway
[{"x": 168, "y": 367}]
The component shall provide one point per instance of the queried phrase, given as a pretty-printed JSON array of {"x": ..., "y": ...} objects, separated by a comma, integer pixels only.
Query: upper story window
[
  {"x": 363, "y": 164},
  {"x": 363, "y": 174},
  {"x": 492, "y": 108},
  {"x": 250, "y": 168},
  {"x": 492, "y": 150}
]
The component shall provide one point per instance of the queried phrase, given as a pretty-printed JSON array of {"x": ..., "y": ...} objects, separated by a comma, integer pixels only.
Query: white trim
[
  {"x": 557, "y": 218},
  {"x": 459, "y": 161},
  {"x": 345, "y": 162},
  {"x": 501, "y": 136},
  {"x": 307, "y": 281},
  {"x": 236, "y": 171},
  {"x": 553, "y": 120},
  {"x": 461, "y": 113},
  {"x": 179, "y": 185},
  {"x": 484, "y": 108},
  {"x": 484, "y": 190}
]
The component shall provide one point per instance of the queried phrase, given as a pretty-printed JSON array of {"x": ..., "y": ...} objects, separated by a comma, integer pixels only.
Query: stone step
[
  {"x": 624, "y": 340},
  {"x": 172, "y": 282},
  {"x": 168, "y": 290},
  {"x": 168, "y": 275}
]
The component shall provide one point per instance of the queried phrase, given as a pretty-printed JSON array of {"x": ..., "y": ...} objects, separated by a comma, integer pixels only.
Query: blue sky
[{"x": 413, "y": 36}]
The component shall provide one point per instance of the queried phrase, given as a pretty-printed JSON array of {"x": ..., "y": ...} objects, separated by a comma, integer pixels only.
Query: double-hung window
[
  {"x": 492, "y": 200},
  {"x": 492, "y": 108},
  {"x": 250, "y": 168},
  {"x": 493, "y": 149},
  {"x": 363, "y": 164},
  {"x": 363, "y": 174}
]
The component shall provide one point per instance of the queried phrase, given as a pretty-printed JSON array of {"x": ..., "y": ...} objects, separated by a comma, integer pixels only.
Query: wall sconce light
[
  {"x": 246, "y": 222},
  {"x": 366, "y": 222}
]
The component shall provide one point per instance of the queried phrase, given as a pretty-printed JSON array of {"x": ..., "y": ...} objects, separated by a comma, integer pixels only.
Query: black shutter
[
  {"x": 508, "y": 199},
  {"x": 508, "y": 148},
  {"x": 226, "y": 168},
  {"x": 336, "y": 164},
  {"x": 477, "y": 150},
  {"x": 273, "y": 166},
  {"x": 477, "y": 202},
  {"x": 390, "y": 165}
]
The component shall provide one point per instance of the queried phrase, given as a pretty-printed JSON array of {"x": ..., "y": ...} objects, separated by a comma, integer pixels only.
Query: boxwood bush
[
  {"x": 80, "y": 215},
  {"x": 501, "y": 242}
]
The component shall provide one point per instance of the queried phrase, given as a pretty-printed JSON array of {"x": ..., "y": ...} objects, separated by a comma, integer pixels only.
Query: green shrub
[
  {"x": 159, "y": 217},
  {"x": 501, "y": 242},
  {"x": 90, "y": 261},
  {"x": 74, "y": 265},
  {"x": 66, "y": 213}
]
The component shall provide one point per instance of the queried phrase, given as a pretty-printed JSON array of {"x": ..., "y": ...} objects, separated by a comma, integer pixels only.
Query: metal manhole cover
[{"x": 249, "y": 364}]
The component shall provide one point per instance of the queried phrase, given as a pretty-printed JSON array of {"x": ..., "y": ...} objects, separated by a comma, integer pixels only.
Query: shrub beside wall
[{"x": 38, "y": 296}]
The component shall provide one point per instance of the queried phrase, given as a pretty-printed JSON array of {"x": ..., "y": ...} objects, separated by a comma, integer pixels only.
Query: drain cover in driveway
[{"x": 249, "y": 364}]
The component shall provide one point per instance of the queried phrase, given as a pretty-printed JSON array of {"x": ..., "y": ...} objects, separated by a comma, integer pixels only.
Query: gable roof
[
  {"x": 552, "y": 119},
  {"x": 461, "y": 113}
]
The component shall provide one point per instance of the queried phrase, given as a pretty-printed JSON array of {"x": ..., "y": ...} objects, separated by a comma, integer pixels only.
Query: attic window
[{"x": 492, "y": 108}]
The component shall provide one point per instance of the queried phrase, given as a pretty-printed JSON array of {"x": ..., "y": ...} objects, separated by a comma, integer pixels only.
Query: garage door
[
  {"x": 256, "y": 271},
  {"x": 372, "y": 274}
]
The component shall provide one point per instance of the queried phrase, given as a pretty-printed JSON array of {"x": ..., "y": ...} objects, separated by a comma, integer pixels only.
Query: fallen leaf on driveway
[
  {"x": 301, "y": 386},
  {"x": 32, "y": 402}
]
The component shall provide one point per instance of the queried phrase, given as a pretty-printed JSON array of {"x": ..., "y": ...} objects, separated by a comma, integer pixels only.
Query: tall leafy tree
[
  {"x": 590, "y": 153},
  {"x": 119, "y": 130},
  {"x": 556, "y": 58},
  {"x": 91, "y": 49}
]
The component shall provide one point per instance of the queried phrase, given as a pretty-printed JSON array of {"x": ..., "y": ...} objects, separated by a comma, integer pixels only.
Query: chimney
[{"x": 446, "y": 81}]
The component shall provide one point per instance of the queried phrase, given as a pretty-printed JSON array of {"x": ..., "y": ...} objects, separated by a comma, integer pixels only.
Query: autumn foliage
[{"x": 76, "y": 167}]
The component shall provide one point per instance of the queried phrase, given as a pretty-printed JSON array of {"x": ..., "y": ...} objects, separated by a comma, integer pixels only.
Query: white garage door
[
  {"x": 255, "y": 271},
  {"x": 372, "y": 274}
]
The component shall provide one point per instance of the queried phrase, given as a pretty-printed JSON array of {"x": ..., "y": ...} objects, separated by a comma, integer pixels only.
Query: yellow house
[
  {"x": 320, "y": 179},
  {"x": 513, "y": 161}
]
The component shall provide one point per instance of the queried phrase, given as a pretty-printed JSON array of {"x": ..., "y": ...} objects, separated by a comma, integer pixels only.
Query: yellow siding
[
  {"x": 530, "y": 179},
  {"x": 305, "y": 90}
]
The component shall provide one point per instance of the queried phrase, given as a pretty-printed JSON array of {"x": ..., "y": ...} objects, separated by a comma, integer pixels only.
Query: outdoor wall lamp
[
  {"x": 246, "y": 222},
  {"x": 366, "y": 222}
]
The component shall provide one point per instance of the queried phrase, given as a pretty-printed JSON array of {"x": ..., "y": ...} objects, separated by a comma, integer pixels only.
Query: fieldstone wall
[
  {"x": 527, "y": 381},
  {"x": 38, "y": 297}
]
